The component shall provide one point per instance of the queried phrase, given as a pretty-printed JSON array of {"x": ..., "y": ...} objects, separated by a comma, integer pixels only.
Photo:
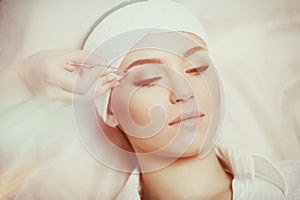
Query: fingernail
[{"x": 121, "y": 76}]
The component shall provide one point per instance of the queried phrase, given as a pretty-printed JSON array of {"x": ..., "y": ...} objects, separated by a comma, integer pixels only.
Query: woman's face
[{"x": 164, "y": 101}]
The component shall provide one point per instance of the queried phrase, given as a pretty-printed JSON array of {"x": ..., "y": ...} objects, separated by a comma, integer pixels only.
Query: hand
[{"x": 48, "y": 73}]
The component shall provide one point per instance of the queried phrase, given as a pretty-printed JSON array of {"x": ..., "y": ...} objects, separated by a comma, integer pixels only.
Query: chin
[{"x": 190, "y": 154}]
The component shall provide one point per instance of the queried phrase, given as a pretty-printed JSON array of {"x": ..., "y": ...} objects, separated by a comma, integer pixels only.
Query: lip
[{"x": 186, "y": 116}]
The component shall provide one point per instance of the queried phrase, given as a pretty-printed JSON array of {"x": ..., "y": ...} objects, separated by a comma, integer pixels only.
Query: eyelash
[
  {"x": 148, "y": 82},
  {"x": 149, "y": 85},
  {"x": 152, "y": 81},
  {"x": 197, "y": 71}
]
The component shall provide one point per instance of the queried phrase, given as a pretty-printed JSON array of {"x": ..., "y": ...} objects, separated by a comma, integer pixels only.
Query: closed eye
[
  {"x": 147, "y": 82},
  {"x": 196, "y": 70}
]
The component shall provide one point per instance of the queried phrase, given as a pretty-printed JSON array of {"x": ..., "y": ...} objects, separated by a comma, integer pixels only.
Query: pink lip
[{"x": 186, "y": 116}]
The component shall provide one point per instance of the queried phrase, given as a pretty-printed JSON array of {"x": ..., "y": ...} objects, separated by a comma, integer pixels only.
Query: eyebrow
[
  {"x": 187, "y": 53},
  {"x": 193, "y": 50},
  {"x": 145, "y": 61}
]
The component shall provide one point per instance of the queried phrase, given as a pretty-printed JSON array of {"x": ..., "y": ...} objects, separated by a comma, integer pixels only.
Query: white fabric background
[{"x": 254, "y": 43}]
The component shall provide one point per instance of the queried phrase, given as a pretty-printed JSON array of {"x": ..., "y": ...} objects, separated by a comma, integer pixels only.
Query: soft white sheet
[{"x": 254, "y": 43}]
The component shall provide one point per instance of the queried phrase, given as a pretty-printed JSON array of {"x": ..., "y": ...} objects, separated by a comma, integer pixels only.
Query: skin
[
  {"x": 187, "y": 177},
  {"x": 23, "y": 36},
  {"x": 180, "y": 92},
  {"x": 47, "y": 73}
]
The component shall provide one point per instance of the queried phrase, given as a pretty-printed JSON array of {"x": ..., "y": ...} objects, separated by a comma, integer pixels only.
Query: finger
[
  {"x": 118, "y": 72},
  {"x": 72, "y": 82},
  {"x": 79, "y": 57},
  {"x": 106, "y": 87},
  {"x": 112, "y": 76},
  {"x": 122, "y": 75},
  {"x": 108, "y": 78},
  {"x": 70, "y": 67},
  {"x": 88, "y": 92},
  {"x": 96, "y": 90},
  {"x": 88, "y": 78}
]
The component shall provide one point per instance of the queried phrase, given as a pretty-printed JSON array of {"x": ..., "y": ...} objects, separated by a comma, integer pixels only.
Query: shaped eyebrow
[
  {"x": 193, "y": 50},
  {"x": 187, "y": 53},
  {"x": 145, "y": 61}
]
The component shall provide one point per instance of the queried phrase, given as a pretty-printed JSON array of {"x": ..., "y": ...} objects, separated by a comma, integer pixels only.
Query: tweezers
[{"x": 88, "y": 66}]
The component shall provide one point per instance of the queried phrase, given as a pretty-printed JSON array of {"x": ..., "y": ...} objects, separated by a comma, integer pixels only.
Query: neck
[{"x": 188, "y": 178}]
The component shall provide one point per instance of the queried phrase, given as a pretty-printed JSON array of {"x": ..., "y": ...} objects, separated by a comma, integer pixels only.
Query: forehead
[
  {"x": 163, "y": 44},
  {"x": 169, "y": 40}
]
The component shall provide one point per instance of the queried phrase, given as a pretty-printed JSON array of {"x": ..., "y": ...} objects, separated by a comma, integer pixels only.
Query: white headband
[{"x": 153, "y": 14}]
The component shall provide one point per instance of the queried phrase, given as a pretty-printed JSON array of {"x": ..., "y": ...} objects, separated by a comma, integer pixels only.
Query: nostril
[
  {"x": 185, "y": 99},
  {"x": 181, "y": 96}
]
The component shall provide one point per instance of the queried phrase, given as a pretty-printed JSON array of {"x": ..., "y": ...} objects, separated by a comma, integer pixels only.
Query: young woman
[
  {"x": 179, "y": 87},
  {"x": 177, "y": 156},
  {"x": 170, "y": 108}
]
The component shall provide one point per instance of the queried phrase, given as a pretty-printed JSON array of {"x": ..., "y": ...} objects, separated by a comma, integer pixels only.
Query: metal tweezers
[{"x": 88, "y": 66}]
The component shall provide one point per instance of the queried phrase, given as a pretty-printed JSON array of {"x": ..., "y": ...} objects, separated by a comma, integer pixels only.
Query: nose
[{"x": 181, "y": 91}]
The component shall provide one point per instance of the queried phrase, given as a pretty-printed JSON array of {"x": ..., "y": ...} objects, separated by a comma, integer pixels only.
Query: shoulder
[{"x": 256, "y": 177}]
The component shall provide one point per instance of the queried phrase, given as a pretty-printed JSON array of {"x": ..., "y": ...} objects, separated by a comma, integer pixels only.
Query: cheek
[
  {"x": 202, "y": 94},
  {"x": 155, "y": 143},
  {"x": 204, "y": 99},
  {"x": 143, "y": 100}
]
